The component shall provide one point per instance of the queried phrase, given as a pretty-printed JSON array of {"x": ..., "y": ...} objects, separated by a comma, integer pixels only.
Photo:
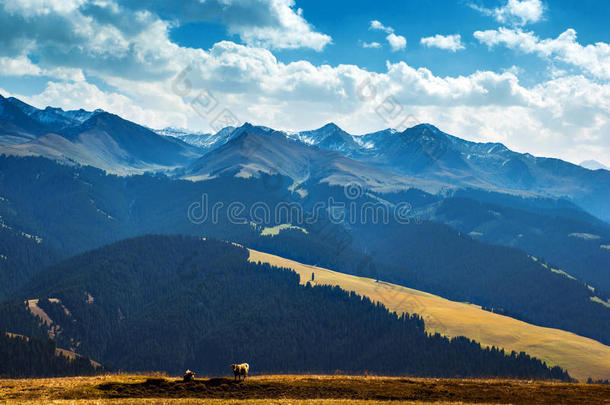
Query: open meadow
[{"x": 296, "y": 389}]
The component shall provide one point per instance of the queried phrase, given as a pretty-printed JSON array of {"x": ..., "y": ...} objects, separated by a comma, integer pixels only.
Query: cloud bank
[{"x": 593, "y": 59}]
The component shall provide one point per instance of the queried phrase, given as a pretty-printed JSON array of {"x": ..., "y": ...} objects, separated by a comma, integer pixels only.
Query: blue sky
[
  {"x": 347, "y": 22},
  {"x": 532, "y": 74}
]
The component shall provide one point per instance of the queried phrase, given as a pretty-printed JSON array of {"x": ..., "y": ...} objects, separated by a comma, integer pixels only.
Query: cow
[
  {"x": 240, "y": 369},
  {"x": 189, "y": 376}
]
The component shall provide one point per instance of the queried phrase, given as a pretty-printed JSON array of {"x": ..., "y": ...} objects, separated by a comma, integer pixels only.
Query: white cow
[{"x": 240, "y": 369}]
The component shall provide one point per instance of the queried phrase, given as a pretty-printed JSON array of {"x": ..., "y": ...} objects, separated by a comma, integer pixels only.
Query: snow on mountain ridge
[{"x": 594, "y": 165}]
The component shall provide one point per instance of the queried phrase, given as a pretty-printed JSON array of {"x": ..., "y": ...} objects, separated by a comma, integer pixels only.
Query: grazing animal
[
  {"x": 189, "y": 376},
  {"x": 240, "y": 369}
]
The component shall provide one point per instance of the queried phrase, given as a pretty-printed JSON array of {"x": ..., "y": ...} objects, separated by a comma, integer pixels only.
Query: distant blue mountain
[
  {"x": 49, "y": 119},
  {"x": 95, "y": 138},
  {"x": 252, "y": 151},
  {"x": 432, "y": 159},
  {"x": 330, "y": 137},
  {"x": 425, "y": 151}
]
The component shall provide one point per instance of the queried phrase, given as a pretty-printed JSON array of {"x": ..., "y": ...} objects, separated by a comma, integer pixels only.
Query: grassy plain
[{"x": 296, "y": 390}]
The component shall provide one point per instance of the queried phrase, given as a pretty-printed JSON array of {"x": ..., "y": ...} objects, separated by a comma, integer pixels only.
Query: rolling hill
[
  {"x": 582, "y": 357},
  {"x": 563, "y": 235},
  {"x": 21, "y": 256},
  {"x": 174, "y": 302}
]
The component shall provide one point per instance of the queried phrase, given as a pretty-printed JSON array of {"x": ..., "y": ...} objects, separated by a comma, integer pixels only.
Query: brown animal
[
  {"x": 189, "y": 376},
  {"x": 240, "y": 369}
]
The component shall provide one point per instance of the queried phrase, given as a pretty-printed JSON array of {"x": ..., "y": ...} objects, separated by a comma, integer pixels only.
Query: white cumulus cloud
[
  {"x": 273, "y": 24},
  {"x": 19, "y": 66},
  {"x": 377, "y": 25},
  {"x": 397, "y": 42},
  {"x": 22, "y": 66},
  {"x": 451, "y": 43},
  {"x": 517, "y": 12},
  {"x": 371, "y": 45},
  {"x": 593, "y": 58}
]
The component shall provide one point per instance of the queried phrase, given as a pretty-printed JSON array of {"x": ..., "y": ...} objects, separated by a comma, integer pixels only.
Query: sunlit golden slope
[{"x": 582, "y": 357}]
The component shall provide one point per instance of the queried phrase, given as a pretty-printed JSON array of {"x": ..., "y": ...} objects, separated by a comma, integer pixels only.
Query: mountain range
[
  {"x": 421, "y": 156},
  {"x": 548, "y": 203},
  {"x": 521, "y": 235},
  {"x": 432, "y": 160}
]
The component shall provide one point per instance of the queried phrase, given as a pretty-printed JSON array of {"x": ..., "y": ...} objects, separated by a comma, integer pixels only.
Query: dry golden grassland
[
  {"x": 582, "y": 357},
  {"x": 296, "y": 389},
  {"x": 191, "y": 401}
]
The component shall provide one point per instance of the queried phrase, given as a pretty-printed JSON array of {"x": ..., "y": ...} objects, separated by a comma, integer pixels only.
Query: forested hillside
[
  {"x": 174, "y": 302},
  {"x": 567, "y": 238},
  {"x": 21, "y": 256},
  {"x": 36, "y": 357}
]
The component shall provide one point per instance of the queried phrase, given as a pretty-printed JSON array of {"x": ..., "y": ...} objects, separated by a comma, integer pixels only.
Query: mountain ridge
[
  {"x": 593, "y": 165},
  {"x": 428, "y": 154},
  {"x": 251, "y": 152},
  {"x": 97, "y": 138}
]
